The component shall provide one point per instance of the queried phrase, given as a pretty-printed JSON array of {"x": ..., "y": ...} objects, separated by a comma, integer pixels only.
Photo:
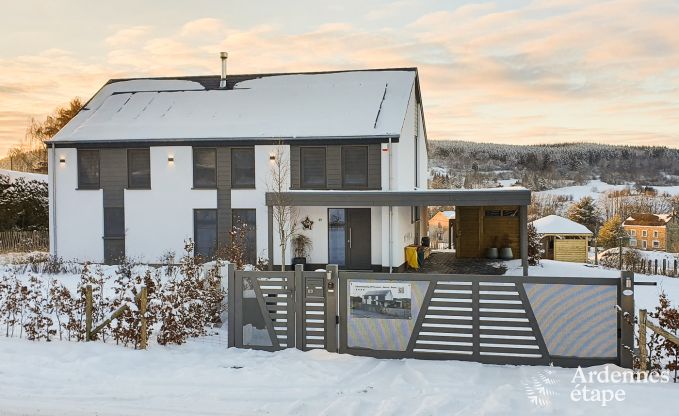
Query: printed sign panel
[{"x": 380, "y": 300}]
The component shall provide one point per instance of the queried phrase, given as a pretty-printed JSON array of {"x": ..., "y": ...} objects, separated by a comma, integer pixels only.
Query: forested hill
[{"x": 547, "y": 166}]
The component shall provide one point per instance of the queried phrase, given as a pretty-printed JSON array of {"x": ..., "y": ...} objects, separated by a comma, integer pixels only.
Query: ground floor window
[
  {"x": 336, "y": 236},
  {"x": 205, "y": 232},
  {"x": 244, "y": 222}
]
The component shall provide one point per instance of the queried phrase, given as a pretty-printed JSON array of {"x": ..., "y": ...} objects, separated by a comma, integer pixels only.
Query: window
[
  {"x": 633, "y": 242},
  {"x": 656, "y": 244},
  {"x": 243, "y": 168},
  {"x": 644, "y": 244},
  {"x": 247, "y": 220},
  {"x": 88, "y": 169},
  {"x": 355, "y": 166},
  {"x": 204, "y": 168},
  {"x": 205, "y": 232},
  {"x": 655, "y": 234},
  {"x": 312, "y": 167},
  {"x": 644, "y": 233},
  {"x": 114, "y": 222},
  {"x": 633, "y": 233},
  {"x": 138, "y": 169},
  {"x": 337, "y": 222}
]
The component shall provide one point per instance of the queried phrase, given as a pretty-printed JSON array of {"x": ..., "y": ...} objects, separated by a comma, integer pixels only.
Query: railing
[
  {"x": 22, "y": 241},
  {"x": 644, "y": 324}
]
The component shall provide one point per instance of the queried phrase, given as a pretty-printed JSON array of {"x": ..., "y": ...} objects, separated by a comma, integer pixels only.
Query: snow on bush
[{"x": 183, "y": 303}]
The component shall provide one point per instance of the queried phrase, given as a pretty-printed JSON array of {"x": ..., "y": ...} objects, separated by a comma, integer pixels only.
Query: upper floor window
[
  {"x": 204, "y": 167},
  {"x": 355, "y": 166},
  {"x": 138, "y": 169},
  {"x": 312, "y": 160},
  {"x": 644, "y": 233},
  {"x": 633, "y": 233},
  {"x": 655, "y": 234},
  {"x": 88, "y": 169},
  {"x": 243, "y": 167}
]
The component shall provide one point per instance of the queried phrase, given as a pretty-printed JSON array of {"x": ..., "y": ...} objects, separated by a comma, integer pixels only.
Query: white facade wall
[
  {"x": 76, "y": 231},
  {"x": 161, "y": 219}
]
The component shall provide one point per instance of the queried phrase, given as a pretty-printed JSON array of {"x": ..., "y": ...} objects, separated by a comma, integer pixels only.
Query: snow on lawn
[
  {"x": 15, "y": 174},
  {"x": 596, "y": 187},
  {"x": 645, "y": 297},
  {"x": 201, "y": 378}
]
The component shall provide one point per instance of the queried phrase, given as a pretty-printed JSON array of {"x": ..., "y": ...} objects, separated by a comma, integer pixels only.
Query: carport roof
[{"x": 424, "y": 197}]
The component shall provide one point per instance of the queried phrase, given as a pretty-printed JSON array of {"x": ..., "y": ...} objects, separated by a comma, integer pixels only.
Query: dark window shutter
[
  {"x": 355, "y": 166},
  {"x": 313, "y": 167},
  {"x": 138, "y": 169}
]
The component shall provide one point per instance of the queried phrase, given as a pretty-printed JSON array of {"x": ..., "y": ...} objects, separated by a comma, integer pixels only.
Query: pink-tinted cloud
[{"x": 551, "y": 71}]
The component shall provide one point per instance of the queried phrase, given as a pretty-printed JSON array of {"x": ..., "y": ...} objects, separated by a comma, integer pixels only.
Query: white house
[{"x": 149, "y": 163}]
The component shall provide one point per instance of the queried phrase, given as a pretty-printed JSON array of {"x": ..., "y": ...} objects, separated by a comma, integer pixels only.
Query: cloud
[{"x": 548, "y": 71}]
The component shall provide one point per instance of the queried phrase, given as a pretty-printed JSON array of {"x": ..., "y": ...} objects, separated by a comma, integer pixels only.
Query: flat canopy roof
[{"x": 427, "y": 197}]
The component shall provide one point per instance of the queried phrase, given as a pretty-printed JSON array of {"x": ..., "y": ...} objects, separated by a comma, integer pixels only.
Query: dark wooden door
[{"x": 358, "y": 239}]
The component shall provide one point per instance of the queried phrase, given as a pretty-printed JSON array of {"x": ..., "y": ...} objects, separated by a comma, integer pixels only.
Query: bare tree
[{"x": 285, "y": 215}]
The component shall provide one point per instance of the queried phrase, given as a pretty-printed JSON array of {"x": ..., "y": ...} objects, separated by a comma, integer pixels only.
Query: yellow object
[{"x": 411, "y": 257}]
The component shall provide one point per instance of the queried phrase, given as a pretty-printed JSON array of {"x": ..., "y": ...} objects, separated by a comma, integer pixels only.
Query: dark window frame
[
  {"x": 343, "y": 168},
  {"x": 195, "y": 232},
  {"x": 129, "y": 171},
  {"x": 81, "y": 185},
  {"x": 193, "y": 156},
  {"x": 108, "y": 234},
  {"x": 249, "y": 185},
  {"x": 304, "y": 185}
]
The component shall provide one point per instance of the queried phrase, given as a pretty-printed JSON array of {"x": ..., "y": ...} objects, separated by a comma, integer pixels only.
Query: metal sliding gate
[{"x": 567, "y": 321}]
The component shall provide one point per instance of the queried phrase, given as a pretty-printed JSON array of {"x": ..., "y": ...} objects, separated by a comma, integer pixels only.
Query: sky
[{"x": 515, "y": 72}]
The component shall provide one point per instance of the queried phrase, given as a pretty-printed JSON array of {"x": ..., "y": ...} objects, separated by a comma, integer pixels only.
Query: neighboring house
[
  {"x": 563, "y": 239},
  {"x": 377, "y": 297},
  {"x": 441, "y": 229},
  {"x": 653, "y": 232},
  {"x": 149, "y": 163}
]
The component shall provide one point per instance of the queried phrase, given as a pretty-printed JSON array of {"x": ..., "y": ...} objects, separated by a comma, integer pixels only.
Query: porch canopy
[{"x": 516, "y": 196}]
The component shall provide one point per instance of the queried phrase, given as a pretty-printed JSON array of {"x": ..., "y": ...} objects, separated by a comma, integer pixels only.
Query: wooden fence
[
  {"x": 644, "y": 324},
  {"x": 23, "y": 241},
  {"x": 665, "y": 267}
]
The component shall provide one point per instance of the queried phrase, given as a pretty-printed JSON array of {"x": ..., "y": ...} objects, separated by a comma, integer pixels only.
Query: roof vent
[{"x": 223, "y": 56}]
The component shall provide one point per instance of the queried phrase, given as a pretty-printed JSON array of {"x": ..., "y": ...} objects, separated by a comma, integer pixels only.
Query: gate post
[
  {"x": 298, "y": 296},
  {"x": 626, "y": 303},
  {"x": 331, "y": 316},
  {"x": 230, "y": 289}
]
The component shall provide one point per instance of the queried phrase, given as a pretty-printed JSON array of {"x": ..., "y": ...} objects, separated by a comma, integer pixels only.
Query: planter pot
[
  {"x": 506, "y": 253},
  {"x": 298, "y": 260},
  {"x": 491, "y": 253}
]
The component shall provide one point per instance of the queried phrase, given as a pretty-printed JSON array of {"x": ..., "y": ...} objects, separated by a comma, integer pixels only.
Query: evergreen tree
[
  {"x": 585, "y": 212},
  {"x": 534, "y": 245},
  {"x": 610, "y": 232}
]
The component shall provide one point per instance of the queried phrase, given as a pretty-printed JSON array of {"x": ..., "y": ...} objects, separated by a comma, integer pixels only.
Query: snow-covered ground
[
  {"x": 595, "y": 188},
  {"x": 13, "y": 175},
  {"x": 204, "y": 377}
]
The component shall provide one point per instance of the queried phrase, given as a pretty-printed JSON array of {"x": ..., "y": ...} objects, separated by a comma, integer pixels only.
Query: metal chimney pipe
[{"x": 223, "y": 56}]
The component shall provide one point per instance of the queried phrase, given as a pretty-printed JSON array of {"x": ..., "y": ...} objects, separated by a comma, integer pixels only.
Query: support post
[
  {"x": 231, "y": 303},
  {"x": 643, "y": 354},
  {"x": 626, "y": 303},
  {"x": 523, "y": 224},
  {"x": 331, "y": 315},
  {"x": 143, "y": 336},
  {"x": 270, "y": 235},
  {"x": 300, "y": 294},
  {"x": 88, "y": 312}
]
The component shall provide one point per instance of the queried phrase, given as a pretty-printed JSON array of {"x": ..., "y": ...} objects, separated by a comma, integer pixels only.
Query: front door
[{"x": 349, "y": 238}]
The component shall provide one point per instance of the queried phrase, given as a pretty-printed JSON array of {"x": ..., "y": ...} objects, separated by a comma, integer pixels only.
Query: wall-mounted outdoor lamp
[
  {"x": 272, "y": 156},
  {"x": 170, "y": 159},
  {"x": 62, "y": 160}
]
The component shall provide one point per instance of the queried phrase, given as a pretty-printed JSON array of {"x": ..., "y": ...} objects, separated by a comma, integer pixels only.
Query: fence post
[
  {"x": 664, "y": 265},
  {"x": 626, "y": 299},
  {"x": 675, "y": 267},
  {"x": 143, "y": 300},
  {"x": 656, "y": 267},
  {"x": 299, "y": 295},
  {"x": 230, "y": 303},
  {"x": 643, "y": 354},
  {"x": 88, "y": 312},
  {"x": 331, "y": 290}
]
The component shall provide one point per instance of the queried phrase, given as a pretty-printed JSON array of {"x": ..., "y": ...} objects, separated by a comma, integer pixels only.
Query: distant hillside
[{"x": 455, "y": 163}]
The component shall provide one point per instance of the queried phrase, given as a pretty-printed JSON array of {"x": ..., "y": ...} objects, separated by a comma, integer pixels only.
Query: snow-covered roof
[
  {"x": 554, "y": 224},
  {"x": 652, "y": 220},
  {"x": 13, "y": 175},
  {"x": 332, "y": 104}
]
